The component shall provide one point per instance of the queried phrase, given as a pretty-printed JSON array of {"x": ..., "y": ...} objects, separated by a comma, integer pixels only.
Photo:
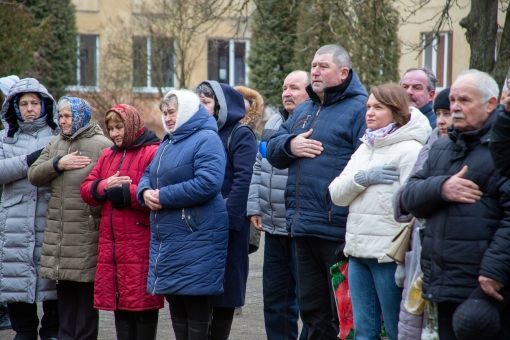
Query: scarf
[
  {"x": 134, "y": 125},
  {"x": 372, "y": 135},
  {"x": 81, "y": 111}
]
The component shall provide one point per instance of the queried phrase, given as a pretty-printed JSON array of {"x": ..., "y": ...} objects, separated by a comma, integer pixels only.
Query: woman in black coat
[{"x": 227, "y": 106}]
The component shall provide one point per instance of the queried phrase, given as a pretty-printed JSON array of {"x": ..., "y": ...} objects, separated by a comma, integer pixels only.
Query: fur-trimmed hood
[{"x": 254, "y": 112}]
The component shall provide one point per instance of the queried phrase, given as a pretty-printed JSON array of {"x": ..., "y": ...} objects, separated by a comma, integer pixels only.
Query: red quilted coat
[{"x": 124, "y": 234}]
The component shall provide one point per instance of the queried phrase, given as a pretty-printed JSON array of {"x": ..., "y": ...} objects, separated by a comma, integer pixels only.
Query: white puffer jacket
[{"x": 370, "y": 224}]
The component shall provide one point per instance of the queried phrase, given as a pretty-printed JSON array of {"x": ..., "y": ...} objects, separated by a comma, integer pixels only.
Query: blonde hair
[{"x": 114, "y": 117}]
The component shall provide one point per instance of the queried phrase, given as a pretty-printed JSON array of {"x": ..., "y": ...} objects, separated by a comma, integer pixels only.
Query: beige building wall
[
  {"x": 94, "y": 16},
  {"x": 423, "y": 21}
]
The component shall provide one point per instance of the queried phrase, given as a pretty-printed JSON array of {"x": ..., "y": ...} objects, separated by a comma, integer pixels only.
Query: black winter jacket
[
  {"x": 500, "y": 141},
  {"x": 462, "y": 241}
]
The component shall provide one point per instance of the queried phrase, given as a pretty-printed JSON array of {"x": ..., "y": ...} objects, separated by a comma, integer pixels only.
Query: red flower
[{"x": 344, "y": 305}]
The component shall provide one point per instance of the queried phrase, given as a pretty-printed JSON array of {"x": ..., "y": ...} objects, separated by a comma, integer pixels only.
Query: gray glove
[{"x": 385, "y": 174}]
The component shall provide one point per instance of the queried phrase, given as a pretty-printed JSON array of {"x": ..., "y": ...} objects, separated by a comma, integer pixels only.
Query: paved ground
[{"x": 249, "y": 325}]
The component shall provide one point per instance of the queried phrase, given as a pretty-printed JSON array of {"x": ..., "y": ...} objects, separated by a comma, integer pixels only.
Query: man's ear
[
  {"x": 491, "y": 104},
  {"x": 432, "y": 94},
  {"x": 344, "y": 73}
]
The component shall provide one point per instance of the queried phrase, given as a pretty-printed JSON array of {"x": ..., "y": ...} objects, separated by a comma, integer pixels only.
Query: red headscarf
[{"x": 134, "y": 125}]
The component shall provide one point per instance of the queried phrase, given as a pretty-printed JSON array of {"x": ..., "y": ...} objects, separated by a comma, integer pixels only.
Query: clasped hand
[
  {"x": 151, "y": 199},
  {"x": 117, "y": 180}
]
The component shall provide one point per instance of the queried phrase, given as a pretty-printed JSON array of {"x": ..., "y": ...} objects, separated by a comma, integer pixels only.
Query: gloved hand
[
  {"x": 33, "y": 157},
  {"x": 385, "y": 174},
  {"x": 119, "y": 196}
]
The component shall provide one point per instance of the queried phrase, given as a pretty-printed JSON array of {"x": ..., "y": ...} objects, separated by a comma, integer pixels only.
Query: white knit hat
[
  {"x": 188, "y": 104},
  {"x": 7, "y": 82}
]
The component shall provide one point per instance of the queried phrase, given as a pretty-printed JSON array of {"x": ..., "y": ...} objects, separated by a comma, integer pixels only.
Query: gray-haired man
[
  {"x": 266, "y": 209},
  {"x": 420, "y": 84}
]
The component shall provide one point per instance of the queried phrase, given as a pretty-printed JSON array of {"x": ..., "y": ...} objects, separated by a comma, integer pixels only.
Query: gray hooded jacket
[
  {"x": 267, "y": 187},
  {"x": 23, "y": 208}
]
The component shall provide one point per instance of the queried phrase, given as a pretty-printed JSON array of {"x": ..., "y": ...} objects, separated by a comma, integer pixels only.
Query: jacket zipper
[
  {"x": 326, "y": 202},
  {"x": 270, "y": 198},
  {"x": 297, "y": 179},
  {"x": 184, "y": 218},
  {"x": 114, "y": 253},
  {"x": 61, "y": 229},
  {"x": 157, "y": 224}
]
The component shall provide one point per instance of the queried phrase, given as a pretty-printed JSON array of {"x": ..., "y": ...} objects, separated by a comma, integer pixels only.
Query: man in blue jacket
[
  {"x": 420, "y": 84},
  {"x": 315, "y": 144}
]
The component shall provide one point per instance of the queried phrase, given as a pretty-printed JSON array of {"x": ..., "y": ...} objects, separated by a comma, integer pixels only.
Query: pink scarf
[{"x": 380, "y": 133}]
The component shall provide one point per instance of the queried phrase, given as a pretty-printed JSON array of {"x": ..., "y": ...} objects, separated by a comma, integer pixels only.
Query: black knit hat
[
  {"x": 479, "y": 316},
  {"x": 442, "y": 100}
]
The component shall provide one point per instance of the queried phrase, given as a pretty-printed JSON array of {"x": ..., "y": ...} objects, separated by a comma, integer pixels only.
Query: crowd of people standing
[{"x": 120, "y": 220}]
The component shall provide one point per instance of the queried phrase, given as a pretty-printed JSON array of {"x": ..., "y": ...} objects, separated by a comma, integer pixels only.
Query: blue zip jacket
[
  {"x": 428, "y": 111},
  {"x": 189, "y": 235},
  {"x": 338, "y": 125}
]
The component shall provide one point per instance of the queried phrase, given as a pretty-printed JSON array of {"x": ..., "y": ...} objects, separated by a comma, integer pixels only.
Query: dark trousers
[
  {"x": 24, "y": 319},
  {"x": 279, "y": 286},
  {"x": 314, "y": 257},
  {"x": 445, "y": 312},
  {"x": 191, "y": 307},
  {"x": 79, "y": 320}
]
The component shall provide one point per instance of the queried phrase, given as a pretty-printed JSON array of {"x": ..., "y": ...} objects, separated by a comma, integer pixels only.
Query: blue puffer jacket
[
  {"x": 428, "y": 111},
  {"x": 235, "y": 189},
  {"x": 339, "y": 125},
  {"x": 189, "y": 234}
]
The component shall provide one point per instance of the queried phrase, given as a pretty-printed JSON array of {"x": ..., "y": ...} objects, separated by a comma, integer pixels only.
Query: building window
[
  {"x": 226, "y": 61},
  {"x": 438, "y": 57},
  {"x": 87, "y": 65},
  {"x": 153, "y": 63}
]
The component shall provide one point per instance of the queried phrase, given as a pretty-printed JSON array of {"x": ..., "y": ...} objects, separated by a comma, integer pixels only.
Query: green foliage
[
  {"x": 20, "y": 40},
  {"x": 56, "y": 59},
  {"x": 272, "y": 48},
  {"x": 286, "y": 37}
]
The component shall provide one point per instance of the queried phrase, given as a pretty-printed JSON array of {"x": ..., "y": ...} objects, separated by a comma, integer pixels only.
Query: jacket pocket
[
  {"x": 328, "y": 202},
  {"x": 188, "y": 219},
  {"x": 91, "y": 220},
  {"x": 12, "y": 201}
]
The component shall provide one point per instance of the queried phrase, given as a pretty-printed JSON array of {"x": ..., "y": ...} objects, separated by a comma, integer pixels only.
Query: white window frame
[
  {"x": 82, "y": 88},
  {"x": 231, "y": 61},
  {"x": 434, "y": 44},
  {"x": 149, "y": 88}
]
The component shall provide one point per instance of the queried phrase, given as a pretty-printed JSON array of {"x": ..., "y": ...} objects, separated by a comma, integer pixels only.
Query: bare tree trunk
[
  {"x": 481, "y": 26},
  {"x": 503, "y": 62}
]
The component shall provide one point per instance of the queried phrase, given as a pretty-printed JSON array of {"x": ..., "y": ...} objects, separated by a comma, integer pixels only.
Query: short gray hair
[
  {"x": 486, "y": 84},
  {"x": 166, "y": 101},
  {"x": 62, "y": 104},
  {"x": 340, "y": 56},
  {"x": 431, "y": 86}
]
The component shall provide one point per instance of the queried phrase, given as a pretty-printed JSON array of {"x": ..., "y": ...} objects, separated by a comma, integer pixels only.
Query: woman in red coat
[{"x": 124, "y": 234}]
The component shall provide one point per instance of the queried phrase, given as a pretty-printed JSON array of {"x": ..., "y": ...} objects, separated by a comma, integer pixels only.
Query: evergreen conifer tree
[
  {"x": 55, "y": 63},
  {"x": 20, "y": 39},
  {"x": 271, "y": 49}
]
